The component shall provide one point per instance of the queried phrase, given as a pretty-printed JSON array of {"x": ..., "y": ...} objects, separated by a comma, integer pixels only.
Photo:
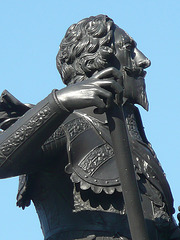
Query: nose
[{"x": 140, "y": 59}]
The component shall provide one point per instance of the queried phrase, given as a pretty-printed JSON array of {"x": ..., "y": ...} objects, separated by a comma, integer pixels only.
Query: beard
[
  {"x": 135, "y": 89},
  {"x": 141, "y": 97}
]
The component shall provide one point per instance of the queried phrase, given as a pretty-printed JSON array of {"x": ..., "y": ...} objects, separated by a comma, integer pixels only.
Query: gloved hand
[{"x": 98, "y": 90}]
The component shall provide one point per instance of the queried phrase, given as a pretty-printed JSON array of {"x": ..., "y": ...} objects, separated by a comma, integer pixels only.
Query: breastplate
[
  {"x": 92, "y": 163},
  {"x": 91, "y": 156}
]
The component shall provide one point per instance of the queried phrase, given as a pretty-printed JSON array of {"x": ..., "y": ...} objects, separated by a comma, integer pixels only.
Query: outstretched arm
[{"x": 20, "y": 144}]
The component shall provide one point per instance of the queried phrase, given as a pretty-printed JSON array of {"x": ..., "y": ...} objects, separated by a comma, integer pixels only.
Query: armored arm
[{"x": 20, "y": 144}]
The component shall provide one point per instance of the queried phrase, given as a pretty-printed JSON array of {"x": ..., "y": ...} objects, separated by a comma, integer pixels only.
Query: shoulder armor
[{"x": 91, "y": 156}]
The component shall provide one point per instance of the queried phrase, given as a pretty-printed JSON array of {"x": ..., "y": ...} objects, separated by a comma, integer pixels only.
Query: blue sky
[{"x": 29, "y": 38}]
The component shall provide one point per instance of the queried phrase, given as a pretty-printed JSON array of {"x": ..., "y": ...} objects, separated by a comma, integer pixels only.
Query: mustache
[{"x": 135, "y": 71}]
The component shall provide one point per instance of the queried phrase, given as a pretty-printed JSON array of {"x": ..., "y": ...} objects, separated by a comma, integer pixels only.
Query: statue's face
[{"x": 131, "y": 62}]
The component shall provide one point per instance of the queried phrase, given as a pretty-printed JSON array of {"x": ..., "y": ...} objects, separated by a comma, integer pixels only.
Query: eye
[{"x": 128, "y": 46}]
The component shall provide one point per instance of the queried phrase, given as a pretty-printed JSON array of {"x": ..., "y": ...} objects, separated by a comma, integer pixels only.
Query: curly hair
[{"x": 86, "y": 47}]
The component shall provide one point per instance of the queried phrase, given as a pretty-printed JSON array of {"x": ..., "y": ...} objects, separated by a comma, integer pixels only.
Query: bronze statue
[{"x": 62, "y": 149}]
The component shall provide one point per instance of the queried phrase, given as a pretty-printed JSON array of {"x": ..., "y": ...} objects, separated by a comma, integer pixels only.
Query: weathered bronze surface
[{"x": 64, "y": 153}]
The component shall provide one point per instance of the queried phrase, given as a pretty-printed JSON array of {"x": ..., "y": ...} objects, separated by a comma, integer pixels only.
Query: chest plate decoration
[{"x": 91, "y": 163}]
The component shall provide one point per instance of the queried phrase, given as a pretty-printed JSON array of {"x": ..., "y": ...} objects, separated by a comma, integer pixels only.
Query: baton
[{"x": 130, "y": 190}]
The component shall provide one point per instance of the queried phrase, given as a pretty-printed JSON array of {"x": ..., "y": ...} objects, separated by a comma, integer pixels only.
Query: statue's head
[{"x": 96, "y": 43}]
